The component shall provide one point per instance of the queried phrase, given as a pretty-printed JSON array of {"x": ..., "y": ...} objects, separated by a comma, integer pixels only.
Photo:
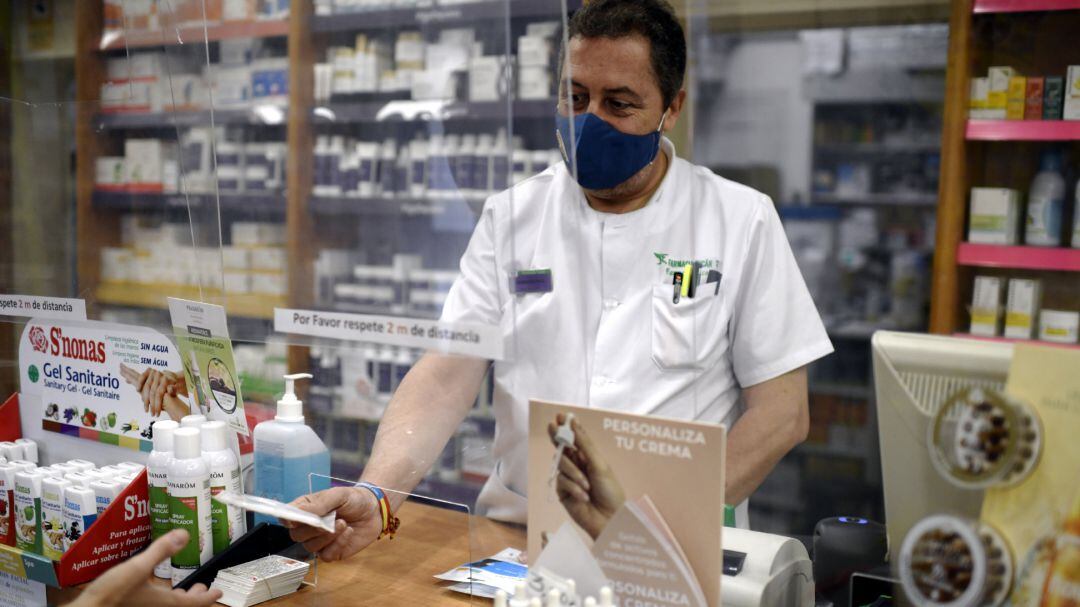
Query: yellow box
[{"x": 1016, "y": 98}]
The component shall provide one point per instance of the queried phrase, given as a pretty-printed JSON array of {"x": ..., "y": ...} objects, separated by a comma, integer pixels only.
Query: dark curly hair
[{"x": 654, "y": 20}]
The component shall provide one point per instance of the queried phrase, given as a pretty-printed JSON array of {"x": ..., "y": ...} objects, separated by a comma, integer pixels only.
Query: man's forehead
[{"x": 613, "y": 63}]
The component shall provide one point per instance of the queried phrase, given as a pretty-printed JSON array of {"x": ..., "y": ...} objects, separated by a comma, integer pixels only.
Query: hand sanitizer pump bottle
[{"x": 288, "y": 452}]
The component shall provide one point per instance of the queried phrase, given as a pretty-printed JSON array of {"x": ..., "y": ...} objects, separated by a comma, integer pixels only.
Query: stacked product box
[{"x": 1006, "y": 94}]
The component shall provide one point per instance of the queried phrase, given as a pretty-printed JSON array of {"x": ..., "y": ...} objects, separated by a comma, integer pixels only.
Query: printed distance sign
[{"x": 85, "y": 375}]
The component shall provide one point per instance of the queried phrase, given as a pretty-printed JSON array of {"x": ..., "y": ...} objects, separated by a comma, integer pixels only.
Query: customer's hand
[
  {"x": 358, "y": 524},
  {"x": 586, "y": 485},
  {"x": 129, "y": 583}
]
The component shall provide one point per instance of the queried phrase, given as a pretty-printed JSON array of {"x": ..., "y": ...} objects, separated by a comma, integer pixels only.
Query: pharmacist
[{"x": 610, "y": 332}]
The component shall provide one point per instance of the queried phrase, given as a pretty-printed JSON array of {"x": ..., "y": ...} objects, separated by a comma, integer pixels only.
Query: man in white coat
[{"x": 600, "y": 320}]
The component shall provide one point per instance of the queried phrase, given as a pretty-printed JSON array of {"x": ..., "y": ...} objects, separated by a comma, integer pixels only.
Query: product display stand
[{"x": 122, "y": 530}]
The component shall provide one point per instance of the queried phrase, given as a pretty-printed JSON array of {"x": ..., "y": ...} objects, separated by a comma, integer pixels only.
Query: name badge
[{"x": 532, "y": 281}]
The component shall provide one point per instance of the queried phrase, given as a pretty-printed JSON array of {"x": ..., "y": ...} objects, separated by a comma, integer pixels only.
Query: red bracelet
[{"x": 390, "y": 523}]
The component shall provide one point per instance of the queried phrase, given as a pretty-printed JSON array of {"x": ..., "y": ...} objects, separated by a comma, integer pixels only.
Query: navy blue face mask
[{"x": 605, "y": 156}]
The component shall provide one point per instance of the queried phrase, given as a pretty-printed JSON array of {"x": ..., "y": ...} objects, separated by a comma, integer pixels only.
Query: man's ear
[{"x": 674, "y": 111}]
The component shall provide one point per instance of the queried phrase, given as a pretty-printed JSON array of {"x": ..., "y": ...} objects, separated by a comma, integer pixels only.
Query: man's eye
[{"x": 619, "y": 105}]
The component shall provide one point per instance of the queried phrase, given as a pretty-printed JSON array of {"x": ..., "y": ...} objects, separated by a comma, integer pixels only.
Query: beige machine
[{"x": 914, "y": 375}]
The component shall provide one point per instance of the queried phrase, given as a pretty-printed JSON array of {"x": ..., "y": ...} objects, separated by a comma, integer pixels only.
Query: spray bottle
[
  {"x": 288, "y": 453},
  {"x": 157, "y": 472},
  {"x": 227, "y": 522},
  {"x": 189, "y": 502}
]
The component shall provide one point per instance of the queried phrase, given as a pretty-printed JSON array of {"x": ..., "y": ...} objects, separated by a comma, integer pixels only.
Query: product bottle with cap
[
  {"x": 80, "y": 512},
  {"x": 28, "y": 510},
  {"x": 52, "y": 516},
  {"x": 157, "y": 478},
  {"x": 189, "y": 502},
  {"x": 192, "y": 421},
  {"x": 226, "y": 522},
  {"x": 288, "y": 452}
]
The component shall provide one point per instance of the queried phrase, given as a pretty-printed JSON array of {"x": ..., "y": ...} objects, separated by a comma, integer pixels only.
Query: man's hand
[
  {"x": 129, "y": 583},
  {"x": 586, "y": 485},
  {"x": 358, "y": 524}
]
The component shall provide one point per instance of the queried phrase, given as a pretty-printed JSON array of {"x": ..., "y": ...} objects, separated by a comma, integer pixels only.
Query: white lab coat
[{"x": 609, "y": 335}]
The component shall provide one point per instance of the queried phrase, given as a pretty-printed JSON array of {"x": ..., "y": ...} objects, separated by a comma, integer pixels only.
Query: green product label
[
  {"x": 160, "y": 516},
  {"x": 219, "y": 521},
  {"x": 184, "y": 514},
  {"x": 28, "y": 523},
  {"x": 984, "y": 223}
]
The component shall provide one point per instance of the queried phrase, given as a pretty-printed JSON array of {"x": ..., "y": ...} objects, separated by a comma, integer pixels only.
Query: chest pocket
[{"x": 685, "y": 334}]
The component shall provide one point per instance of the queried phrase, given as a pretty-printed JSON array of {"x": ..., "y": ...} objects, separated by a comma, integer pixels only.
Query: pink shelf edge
[
  {"x": 1030, "y": 258},
  {"x": 1035, "y": 342},
  {"x": 1023, "y": 130},
  {"x": 1018, "y": 6}
]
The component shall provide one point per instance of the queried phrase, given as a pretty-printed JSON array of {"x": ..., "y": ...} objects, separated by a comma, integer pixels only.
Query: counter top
[{"x": 399, "y": 571}]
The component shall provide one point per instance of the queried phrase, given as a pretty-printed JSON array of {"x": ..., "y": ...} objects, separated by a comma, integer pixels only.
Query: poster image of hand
[
  {"x": 160, "y": 391},
  {"x": 585, "y": 485}
]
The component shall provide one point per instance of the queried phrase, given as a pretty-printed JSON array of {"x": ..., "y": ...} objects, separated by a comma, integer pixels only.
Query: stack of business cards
[{"x": 260, "y": 580}]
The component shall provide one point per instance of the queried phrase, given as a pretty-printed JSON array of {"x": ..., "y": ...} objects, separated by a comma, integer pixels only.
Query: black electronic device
[{"x": 844, "y": 545}]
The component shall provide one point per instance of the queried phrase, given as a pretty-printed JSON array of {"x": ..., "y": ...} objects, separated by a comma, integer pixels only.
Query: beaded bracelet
[{"x": 390, "y": 523}]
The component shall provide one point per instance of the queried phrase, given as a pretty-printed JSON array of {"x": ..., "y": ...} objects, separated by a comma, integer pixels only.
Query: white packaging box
[
  {"x": 986, "y": 306},
  {"x": 409, "y": 51},
  {"x": 269, "y": 284},
  {"x": 271, "y": 259},
  {"x": 115, "y": 264},
  {"x": 999, "y": 77},
  {"x": 237, "y": 283},
  {"x": 1022, "y": 308},
  {"x": 187, "y": 91},
  {"x": 174, "y": 234},
  {"x": 109, "y": 173},
  {"x": 236, "y": 258},
  {"x": 1071, "y": 110},
  {"x": 994, "y": 215},
  {"x": 143, "y": 159},
  {"x": 231, "y": 85},
  {"x": 1059, "y": 326},
  {"x": 534, "y": 51},
  {"x": 237, "y": 10},
  {"x": 543, "y": 29},
  {"x": 253, "y": 234},
  {"x": 534, "y": 82},
  {"x": 269, "y": 79},
  {"x": 117, "y": 69},
  {"x": 115, "y": 96},
  {"x": 484, "y": 76},
  {"x": 146, "y": 65}
]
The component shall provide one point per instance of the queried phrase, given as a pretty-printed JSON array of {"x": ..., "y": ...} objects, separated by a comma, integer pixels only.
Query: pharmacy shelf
[
  {"x": 1018, "y": 341},
  {"x": 1023, "y": 258},
  {"x": 254, "y": 204},
  {"x": 268, "y": 114},
  {"x": 430, "y": 111},
  {"x": 1024, "y": 6},
  {"x": 190, "y": 35},
  {"x": 156, "y": 297},
  {"x": 382, "y": 207},
  {"x": 1023, "y": 130},
  {"x": 873, "y": 149},
  {"x": 876, "y": 200},
  {"x": 437, "y": 16}
]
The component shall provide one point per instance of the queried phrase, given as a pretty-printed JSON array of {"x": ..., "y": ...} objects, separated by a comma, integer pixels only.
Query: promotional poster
[
  {"x": 1040, "y": 516},
  {"x": 202, "y": 336},
  {"x": 638, "y": 500},
  {"x": 96, "y": 380}
]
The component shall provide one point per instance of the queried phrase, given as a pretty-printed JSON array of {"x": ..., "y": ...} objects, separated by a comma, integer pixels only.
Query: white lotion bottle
[
  {"x": 189, "y": 502},
  {"x": 157, "y": 476},
  {"x": 226, "y": 522}
]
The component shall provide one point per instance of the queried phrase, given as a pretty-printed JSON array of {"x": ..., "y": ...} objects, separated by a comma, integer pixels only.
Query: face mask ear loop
[{"x": 659, "y": 129}]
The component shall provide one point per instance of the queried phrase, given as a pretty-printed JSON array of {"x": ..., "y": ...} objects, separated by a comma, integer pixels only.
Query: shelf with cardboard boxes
[
  {"x": 1007, "y": 248},
  {"x": 277, "y": 84}
]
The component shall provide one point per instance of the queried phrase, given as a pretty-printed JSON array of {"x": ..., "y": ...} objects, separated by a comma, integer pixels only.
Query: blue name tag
[{"x": 532, "y": 281}]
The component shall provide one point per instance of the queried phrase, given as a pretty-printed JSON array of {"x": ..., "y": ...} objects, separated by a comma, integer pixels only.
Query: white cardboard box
[
  {"x": 986, "y": 306},
  {"x": 1071, "y": 111},
  {"x": 1022, "y": 308},
  {"x": 994, "y": 215}
]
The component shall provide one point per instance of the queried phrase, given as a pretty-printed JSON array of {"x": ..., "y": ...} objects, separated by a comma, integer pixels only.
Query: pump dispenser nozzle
[{"x": 290, "y": 408}]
